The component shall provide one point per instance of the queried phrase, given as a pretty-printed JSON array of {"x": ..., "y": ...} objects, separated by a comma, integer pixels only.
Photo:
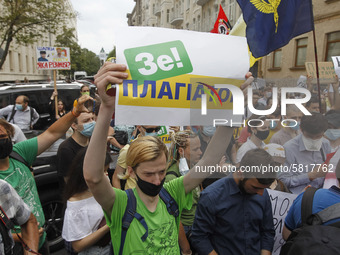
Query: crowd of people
[{"x": 126, "y": 192}]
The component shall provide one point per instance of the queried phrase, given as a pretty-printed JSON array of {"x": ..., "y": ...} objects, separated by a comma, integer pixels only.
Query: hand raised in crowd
[
  {"x": 54, "y": 94},
  {"x": 79, "y": 105},
  {"x": 320, "y": 170},
  {"x": 109, "y": 73},
  {"x": 335, "y": 83},
  {"x": 244, "y": 87}
]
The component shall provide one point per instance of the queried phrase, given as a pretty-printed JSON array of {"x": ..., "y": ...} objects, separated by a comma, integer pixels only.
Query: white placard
[{"x": 169, "y": 72}]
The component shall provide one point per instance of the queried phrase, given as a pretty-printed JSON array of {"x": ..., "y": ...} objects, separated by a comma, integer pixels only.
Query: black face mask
[
  {"x": 148, "y": 188},
  {"x": 262, "y": 135},
  {"x": 6, "y": 147}
]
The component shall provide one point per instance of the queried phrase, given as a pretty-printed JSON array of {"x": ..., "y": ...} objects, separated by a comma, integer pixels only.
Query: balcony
[
  {"x": 202, "y": 2},
  {"x": 176, "y": 18},
  {"x": 157, "y": 11}
]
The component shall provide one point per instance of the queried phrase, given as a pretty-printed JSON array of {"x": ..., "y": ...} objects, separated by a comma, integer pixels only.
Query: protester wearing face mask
[
  {"x": 85, "y": 90},
  {"x": 259, "y": 129},
  {"x": 205, "y": 133},
  {"x": 267, "y": 94},
  {"x": 274, "y": 124},
  {"x": 333, "y": 135},
  {"x": 185, "y": 152},
  {"x": 82, "y": 130},
  {"x": 291, "y": 126},
  {"x": 20, "y": 114},
  {"x": 120, "y": 171},
  {"x": 305, "y": 155}
]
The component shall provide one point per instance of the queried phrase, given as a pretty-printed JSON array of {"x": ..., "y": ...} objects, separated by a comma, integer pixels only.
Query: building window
[
  {"x": 301, "y": 52},
  {"x": 20, "y": 62},
  {"x": 333, "y": 45},
  {"x": 277, "y": 55},
  {"x": 34, "y": 68},
  {"x": 167, "y": 15},
  {"x": 199, "y": 23},
  {"x": 231, "y": 10},
  {"x": 27, "y": 65},
  {"x": 11, "y": 61}
]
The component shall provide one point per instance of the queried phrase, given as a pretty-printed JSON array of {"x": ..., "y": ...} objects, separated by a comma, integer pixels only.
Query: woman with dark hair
[
  {"x": 84, "y": 230},
  {"x": 60, "y": 105}
]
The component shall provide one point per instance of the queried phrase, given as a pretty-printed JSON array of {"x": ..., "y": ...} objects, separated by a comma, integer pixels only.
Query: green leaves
[
  {"x": 81, "y": 59},
  {"x": 27, "y": 21}
]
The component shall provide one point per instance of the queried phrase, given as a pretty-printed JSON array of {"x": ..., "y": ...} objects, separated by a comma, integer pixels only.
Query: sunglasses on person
[{"x": 150, "y": 130}]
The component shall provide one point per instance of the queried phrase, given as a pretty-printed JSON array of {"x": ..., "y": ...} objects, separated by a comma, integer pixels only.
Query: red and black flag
[{"x": 222, "y": 25}]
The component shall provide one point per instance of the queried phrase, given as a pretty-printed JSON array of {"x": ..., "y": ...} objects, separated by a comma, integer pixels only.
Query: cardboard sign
[
  {"x": 281, "y": 202},
  {"x": 171, "y": 73},
  {"x": 57, "y": 58},
  {"x": 326, "y": 71}
]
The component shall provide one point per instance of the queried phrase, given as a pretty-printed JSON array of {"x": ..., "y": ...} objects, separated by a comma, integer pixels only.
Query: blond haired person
[{"x": 146, "y": 162}]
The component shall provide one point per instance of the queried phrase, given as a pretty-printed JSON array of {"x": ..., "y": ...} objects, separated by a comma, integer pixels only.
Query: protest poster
[
  {"x": 326, "y": 71},
  {"x": 281, "y": 202},
  {"x": 53, "y": 58},
  {"x": 173, "y": 74},
  {"x": 336, "y": 63}
]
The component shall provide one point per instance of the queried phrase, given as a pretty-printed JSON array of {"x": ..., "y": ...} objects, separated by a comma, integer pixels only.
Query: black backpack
[{"x": 313, "y": 238}]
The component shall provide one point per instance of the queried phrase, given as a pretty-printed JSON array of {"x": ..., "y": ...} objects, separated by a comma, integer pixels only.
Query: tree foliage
[
  {"x": 112, "y": 53},
  {"x": 27, "y": 21},
  {"x": 81, "y": 59}
]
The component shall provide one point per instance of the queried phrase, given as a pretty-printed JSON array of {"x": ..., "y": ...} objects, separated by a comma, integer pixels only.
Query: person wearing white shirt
[{"x": 20, "y": 114}]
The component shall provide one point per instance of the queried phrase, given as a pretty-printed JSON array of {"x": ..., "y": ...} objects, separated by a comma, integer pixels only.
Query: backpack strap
[
  {"x": 31, "y": 115},
  {"x": 330, "y": 213},
  {"x": 12, "y": 114},
  {"x": 307, "y": 205},
  {"x": 173, "y": 173},
  {"x": 129, "y": 215},
  {"x": 18, "y": 157},
  {"x": 5, "y": 226},
  {"x": 170, "y": 203}
]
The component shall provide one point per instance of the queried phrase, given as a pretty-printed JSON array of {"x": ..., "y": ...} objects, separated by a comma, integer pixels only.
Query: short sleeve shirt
[
  {"x": 163, "y": 228},
  {"x": 22, "y": 180}
]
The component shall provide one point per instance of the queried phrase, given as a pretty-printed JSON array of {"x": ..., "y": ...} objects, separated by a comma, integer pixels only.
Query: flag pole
[
  {"x": 317, "y": 70},
  {"x": 316, "y": 61}
]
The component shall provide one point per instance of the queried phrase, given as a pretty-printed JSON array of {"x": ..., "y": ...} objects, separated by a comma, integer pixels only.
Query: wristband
[{"x": 75, "y": 115}]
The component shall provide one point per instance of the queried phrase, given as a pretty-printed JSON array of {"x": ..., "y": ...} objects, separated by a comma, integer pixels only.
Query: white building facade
[{"x": 21, "y": 60}]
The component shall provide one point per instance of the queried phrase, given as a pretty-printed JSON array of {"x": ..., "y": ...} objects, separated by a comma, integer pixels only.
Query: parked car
[{"x": 45, "y": 166}]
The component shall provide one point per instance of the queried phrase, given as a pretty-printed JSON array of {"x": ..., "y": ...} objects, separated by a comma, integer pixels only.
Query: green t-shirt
[
  {"x": 163, "y": 228},
  {"x": 188, "y": 216},
  {"x": 22, "y": 180}
]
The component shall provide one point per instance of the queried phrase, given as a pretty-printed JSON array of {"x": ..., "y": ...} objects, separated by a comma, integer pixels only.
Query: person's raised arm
[
  {"x": 215, "y": 150},
  {"x": 59, "y": 128},
  {"x": 336, "y": 97},
  {"x": 94, "y": 175}
]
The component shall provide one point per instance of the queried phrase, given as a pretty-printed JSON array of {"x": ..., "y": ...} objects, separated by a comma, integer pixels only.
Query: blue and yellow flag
[{"x": 271, "y": 24}]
